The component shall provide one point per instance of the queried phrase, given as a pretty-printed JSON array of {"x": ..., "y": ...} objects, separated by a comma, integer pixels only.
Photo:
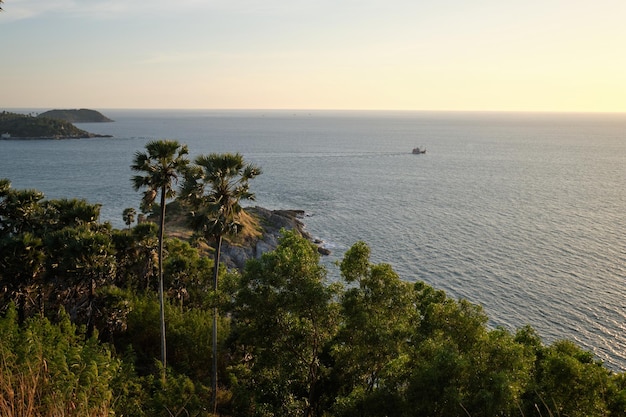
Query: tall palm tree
[
  {"x": 213, "y": 188},
  {"x": 129, "y": 216},
  {"x": 159, "y": 168},
  {"x": 20, "y": 210}
]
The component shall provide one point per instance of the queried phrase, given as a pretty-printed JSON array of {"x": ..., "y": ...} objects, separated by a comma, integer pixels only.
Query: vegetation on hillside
[
  {"x": 76, "y": 116},
  {"x": 28, "y": 126},
  {"x": 80, "y": 332}
]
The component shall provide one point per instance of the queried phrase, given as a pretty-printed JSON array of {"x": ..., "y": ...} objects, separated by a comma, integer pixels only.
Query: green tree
[
  {"x": 159, "y": 167},
  {"x": 5, "y": 186},
  {"x": 457, "y": 366},
  {"x": 80, "y": 261},
  {"x": 371, "y": 350},
  {"x": 27, "y": 211},
  {"x": 22, "y": 260},
  {"x": 129, "y": 216},
  {"x": 616, "y": 400},
  {"x": 213, "y": 188},
  {"x": 20, "y": 211},
  {"x": 186, "y": 271},
  {"x": 569, "y": 381},
  {"x": 137, "y": 256},
  {"x": 285, "y": 318},
  {"x": 70, "y": 213}
]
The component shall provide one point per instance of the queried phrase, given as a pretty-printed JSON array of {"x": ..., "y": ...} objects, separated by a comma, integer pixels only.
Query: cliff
[{"x": 270, "y": 223}]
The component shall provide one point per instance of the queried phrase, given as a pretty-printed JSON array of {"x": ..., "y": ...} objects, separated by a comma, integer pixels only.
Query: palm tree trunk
[
  {"x": 41, "y": 302},
  {"x": 21, "y": 303},
  {"x": 216, "y": 267},
  {"x": 90, "y": 307},
  {"x": 161, "y": 296}
]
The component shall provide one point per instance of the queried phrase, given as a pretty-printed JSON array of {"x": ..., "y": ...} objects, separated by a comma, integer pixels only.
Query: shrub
[{"x": 51, "y": 370}]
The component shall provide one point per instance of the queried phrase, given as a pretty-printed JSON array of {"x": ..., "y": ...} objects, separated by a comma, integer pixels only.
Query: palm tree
[
  {"x": 5, "y": 183},
  {"x": 22, "y": 263},
  {"x": 20, "y": 210},
  {"x": 160, "y": 165},
  {"x": 129, "y": 216},
  {"x": 213, "y": 188}
]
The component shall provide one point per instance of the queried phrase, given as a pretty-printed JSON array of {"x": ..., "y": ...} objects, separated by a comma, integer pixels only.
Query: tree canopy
[{"x": 80, "y": 331}]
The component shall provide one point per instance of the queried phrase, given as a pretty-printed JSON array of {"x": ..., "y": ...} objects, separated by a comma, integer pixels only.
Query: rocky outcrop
[
  {"x": 271, "y": 223},
  {"x": 261, "y": 234}
]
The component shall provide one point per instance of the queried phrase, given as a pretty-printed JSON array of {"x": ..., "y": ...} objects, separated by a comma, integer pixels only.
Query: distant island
[
  {"x": 76, "y": 116},
  {"x": 24, "y": 126}
]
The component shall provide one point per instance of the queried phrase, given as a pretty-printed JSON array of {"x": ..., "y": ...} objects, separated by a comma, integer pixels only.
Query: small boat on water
[{"x": 418, "y": 150}]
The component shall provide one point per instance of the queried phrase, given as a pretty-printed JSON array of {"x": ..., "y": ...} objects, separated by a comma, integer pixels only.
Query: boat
[{"x": 418, "y": 150}]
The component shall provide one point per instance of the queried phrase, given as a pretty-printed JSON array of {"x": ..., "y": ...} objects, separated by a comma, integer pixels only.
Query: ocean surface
[{"x": 524, "y": 214}]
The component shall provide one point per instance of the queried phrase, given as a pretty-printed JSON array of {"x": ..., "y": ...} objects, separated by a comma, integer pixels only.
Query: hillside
[
  {"x": 76, "y": 116},
  {"x": 22, "y": 126}
]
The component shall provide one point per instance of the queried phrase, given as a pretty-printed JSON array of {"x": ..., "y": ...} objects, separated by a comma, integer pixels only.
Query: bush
[{"x": 48, "y": 369}]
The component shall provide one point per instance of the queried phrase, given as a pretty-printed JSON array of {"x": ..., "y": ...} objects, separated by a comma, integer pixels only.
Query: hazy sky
[{"x": 528, "y": 55}]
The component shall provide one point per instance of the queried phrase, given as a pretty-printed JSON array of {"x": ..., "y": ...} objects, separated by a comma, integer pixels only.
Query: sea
[{"x": 521, "y": 213}]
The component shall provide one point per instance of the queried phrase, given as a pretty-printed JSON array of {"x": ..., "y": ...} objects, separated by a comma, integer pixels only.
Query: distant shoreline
[
  {"x": 27, "y": 127},
  {"x": 62, "y": 138},
  {"x": 93, "y": 136}
]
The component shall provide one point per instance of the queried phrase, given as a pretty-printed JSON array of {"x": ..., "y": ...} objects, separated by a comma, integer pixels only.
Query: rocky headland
[
  {"x": 271, "y": 222},
  {"x": 263, "y": 231}
]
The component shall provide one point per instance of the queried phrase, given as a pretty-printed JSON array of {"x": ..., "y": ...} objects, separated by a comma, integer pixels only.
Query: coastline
[{"x": 91, "y": 136}]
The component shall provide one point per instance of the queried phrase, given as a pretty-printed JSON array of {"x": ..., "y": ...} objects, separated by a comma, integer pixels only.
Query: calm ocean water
[{"x": 523, "y": 214}]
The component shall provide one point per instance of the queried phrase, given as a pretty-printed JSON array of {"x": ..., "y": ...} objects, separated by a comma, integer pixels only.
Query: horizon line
[{"x": 286, "y": 109}]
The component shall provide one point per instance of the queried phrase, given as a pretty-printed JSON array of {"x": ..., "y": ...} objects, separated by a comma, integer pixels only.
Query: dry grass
[
  {"x": 26, "y": 393},
  {"x": 176, "y": 225}
]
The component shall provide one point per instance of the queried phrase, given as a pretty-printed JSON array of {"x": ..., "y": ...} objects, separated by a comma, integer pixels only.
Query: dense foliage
[
  {"x": 28, "y": 126},
  {"x": 80, "y": 332}
]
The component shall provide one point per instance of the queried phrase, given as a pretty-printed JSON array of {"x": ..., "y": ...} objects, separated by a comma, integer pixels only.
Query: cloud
[
  {"x": 18, "y": 10},
  {"x": 111, "y": 9},
  {"x": 27, "y": 9}
]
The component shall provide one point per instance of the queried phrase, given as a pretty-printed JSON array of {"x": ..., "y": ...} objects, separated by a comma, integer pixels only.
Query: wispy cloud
[
  {"x": 17, "y": 10},
  {"x": 25, "y": 9},
  {"x": 107, "y": 9}
]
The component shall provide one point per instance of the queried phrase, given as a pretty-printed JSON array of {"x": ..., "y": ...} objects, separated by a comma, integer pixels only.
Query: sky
[{"x": 448, "y": 55}]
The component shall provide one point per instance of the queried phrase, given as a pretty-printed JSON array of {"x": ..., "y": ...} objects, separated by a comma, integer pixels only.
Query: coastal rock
[
  {"x": 323, "y": 251},
  {"x": 271, "y": 223},
  {"x": 263, "y": 231}
]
